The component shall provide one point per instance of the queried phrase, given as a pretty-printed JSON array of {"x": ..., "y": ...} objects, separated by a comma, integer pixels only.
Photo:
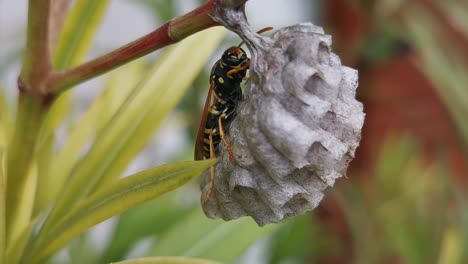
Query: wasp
[{"x": 224, "y": 95}]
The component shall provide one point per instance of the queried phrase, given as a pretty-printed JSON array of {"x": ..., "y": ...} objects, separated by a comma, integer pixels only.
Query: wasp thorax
[
  {"x": 234, "y": 57},
  {"x": 295, "y": 131}
]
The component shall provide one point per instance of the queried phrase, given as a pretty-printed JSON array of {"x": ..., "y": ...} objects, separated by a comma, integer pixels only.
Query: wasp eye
[{"x": 231, "y": 61}]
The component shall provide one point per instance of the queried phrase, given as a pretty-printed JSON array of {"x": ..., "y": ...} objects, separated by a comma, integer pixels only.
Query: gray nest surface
[{"x": 296, "y": 129}]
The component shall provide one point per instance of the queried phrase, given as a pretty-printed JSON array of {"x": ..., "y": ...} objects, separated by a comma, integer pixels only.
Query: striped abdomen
[{"x": 225, "y": 111}]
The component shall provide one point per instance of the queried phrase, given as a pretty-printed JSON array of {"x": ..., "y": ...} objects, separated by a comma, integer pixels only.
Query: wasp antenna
[
  {"x": 264, "y": 30},
  {"x": 258, "y": 32}
]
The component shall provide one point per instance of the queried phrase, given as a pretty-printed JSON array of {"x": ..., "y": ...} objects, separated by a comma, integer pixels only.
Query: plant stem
[
  {"x": 169, "y": 33},
  {"x": 61, "y": 81},
  {"x": 32, "y": 106},
  {"x": 30, "y": 114},
  {"x": 36, "y": 63}
]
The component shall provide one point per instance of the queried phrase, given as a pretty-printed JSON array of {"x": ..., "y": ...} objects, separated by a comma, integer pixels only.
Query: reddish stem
[
  {"x": 169, "y": 33},
  {"x": 36, "y": 63},
  {"x": 60, "y": 81}
]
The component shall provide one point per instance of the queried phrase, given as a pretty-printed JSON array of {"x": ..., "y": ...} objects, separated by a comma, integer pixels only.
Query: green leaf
[
  {"x": 287, "y": 243},
  {"x": 6, "y": 122},
  {"x": 24, "y": 210},
  {"x": 198, "y": 236},
  {"x": 74, "y": 44},
  {"x": 83, "y": 244},
  {"x": 100, "y": 111},
  {"x": 462, "y": 216},
  {"x": 140, "y": 115},
  {"x": 2, "y": 208},
  {"x": 444, "y": 67},
  {"x": 152, "y": 101},
  {"x": 15, "y": 248},
  {"x": 116, "y": 198},
  {"x": 167, "y": 260},
  {"x": 451, "y": 250},
  {"x": 383, "y": 43},
  {"x": 396, "y": 153},
  {"x": 149, "y": 219},
  {"x": 119, "y": 87},
  {"x": 78, "y": 32},
  {"x": 45, "y": 181}
]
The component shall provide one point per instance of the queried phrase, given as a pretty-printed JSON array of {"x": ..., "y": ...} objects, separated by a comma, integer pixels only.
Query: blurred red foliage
[
  {"x": 398, "y": 100},
  {"x": 397, "y": 97}
]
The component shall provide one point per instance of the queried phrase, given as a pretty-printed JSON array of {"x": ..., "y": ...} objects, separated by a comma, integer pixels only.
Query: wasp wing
[{"x": 198, "y": 154}]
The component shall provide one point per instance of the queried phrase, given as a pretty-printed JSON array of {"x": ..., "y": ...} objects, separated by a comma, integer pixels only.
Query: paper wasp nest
[{"x": 295, "y": 132}]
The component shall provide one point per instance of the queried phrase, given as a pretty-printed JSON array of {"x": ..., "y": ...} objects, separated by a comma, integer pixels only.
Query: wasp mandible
[{"x": 221, "y": 103}]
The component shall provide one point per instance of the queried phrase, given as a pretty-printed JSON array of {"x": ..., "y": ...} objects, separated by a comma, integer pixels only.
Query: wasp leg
[
  {"x": 236, "y": 70},
  {"x": 223, "y": 137},
  {"x": 212, "y": 172}
]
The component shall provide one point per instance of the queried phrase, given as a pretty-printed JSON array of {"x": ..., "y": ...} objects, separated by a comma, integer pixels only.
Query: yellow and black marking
[
  {"x": 220, "y": 107},
  {"x": 219, "y": 116},
  {"x": 226, "y": 77}
]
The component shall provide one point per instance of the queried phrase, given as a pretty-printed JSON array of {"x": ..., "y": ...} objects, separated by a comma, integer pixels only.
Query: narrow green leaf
[
  {"x": 6, "y": 122},
  {"x": 83, "y": 243},
  {"x": 462, "y": 216},
  {"x": 136, "y": 120},
  {"x": 149, "y": 219},
  {"x": 116, "y": 198},
  {"x": 167, "y": 260},
  {"x": 101, "y": 110},
  {"x": 15, "y": 248},
  {"x": 44, "y": 159},
  {"x": 74, "y": 44},
  {"x": 56, "y": 115},
  {"x": 445, "y": 70},
  {"x": 395, "y": 154},
  {"x": 198, "y": 236},
  {"x": 297, "y": 241},
  {"x": 78, "y": 32},
  {"x": 152, "y": 101},
  {"x": 458, "y": 13},
  {"x": 2, "y": 209},
  {"x": 25, "y": 205},
  {"x": 452, "y": 246},
  {"x": 120, "y": 85}
]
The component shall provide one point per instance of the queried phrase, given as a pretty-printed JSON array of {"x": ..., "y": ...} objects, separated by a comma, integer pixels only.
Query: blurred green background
[{"x": 404, "y": 199}]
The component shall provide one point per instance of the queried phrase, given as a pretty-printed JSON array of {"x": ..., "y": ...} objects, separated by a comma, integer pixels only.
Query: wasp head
[{"x": 234, "y": 57}]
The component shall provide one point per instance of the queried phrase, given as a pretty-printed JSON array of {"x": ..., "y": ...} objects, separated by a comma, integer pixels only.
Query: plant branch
[
  {"x": 30, "y": 115},
  {"x": 169, "y": 33},
  {"x": 32, "y": 106},
  {"x": 37, "y": 63}
]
